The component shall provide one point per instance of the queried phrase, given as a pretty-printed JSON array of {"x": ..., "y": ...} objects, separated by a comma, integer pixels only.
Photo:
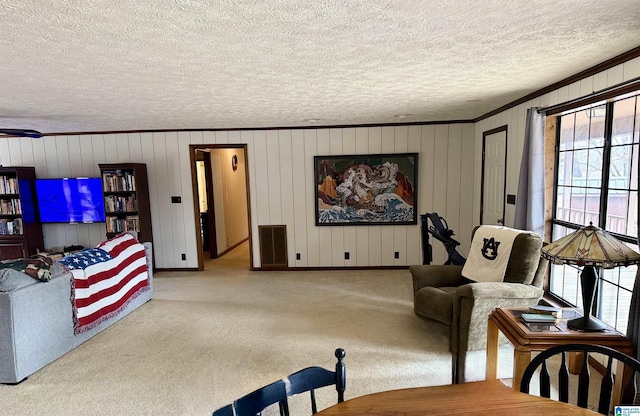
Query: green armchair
[{"x": 443, "y": 294}]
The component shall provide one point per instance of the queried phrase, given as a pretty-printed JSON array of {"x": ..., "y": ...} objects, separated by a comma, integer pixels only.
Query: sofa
[{"x": 38, "y": 319}]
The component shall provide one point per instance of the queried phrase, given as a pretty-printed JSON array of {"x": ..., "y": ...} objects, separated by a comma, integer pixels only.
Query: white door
[{"x": 494, "y": 154}]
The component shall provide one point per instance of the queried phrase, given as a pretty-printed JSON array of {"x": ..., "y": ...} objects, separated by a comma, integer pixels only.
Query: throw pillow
[{"x": 36, "y": 267}]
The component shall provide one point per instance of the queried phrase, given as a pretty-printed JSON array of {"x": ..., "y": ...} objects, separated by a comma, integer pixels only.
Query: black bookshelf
[{"x": 126, "y": 199}]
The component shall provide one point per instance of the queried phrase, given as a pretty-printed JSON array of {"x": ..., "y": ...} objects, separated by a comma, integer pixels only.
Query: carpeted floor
[{"x": 209, "y": 337}]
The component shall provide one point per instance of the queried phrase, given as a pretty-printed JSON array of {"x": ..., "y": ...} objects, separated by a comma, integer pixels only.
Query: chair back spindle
[
  {"x": 583, "y": 381},
  {"x": 563, "y": 380}
]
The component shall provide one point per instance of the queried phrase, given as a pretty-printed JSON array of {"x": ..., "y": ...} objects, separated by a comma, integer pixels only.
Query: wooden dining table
[{"x": 490, "y": 397}]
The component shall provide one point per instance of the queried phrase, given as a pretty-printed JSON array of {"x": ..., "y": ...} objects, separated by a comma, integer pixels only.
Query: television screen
[{"x": 70, "y": 200}]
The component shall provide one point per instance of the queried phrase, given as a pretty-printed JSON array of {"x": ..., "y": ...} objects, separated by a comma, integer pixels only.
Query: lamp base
[{"x": 586, "y": 323}]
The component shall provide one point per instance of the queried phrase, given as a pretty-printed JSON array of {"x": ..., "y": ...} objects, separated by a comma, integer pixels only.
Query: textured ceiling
[{"x": 111, "y": 65}]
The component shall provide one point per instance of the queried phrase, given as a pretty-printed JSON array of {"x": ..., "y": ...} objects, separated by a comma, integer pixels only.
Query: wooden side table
[{"x": 528, "y": 338}]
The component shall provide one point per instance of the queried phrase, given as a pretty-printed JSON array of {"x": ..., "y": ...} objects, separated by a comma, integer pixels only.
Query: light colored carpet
[{"x": 209, "y": 337}]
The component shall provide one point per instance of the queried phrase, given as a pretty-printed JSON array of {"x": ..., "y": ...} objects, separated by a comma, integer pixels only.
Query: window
[{"x": 597, "y": 182}]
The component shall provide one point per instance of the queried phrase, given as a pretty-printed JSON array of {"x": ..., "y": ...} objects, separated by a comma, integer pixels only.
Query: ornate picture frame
[{"x": 375, "y": 189}]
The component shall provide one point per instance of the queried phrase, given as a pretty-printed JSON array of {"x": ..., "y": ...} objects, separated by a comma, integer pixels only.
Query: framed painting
[{"x": 366, "y": 189}]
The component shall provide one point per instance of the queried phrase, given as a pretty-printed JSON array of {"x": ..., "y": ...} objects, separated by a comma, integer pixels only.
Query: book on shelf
[
  {"x": 11, "y": 226},
  {"x": 118, "y": 181},
  {"x": 8, "y": 185},
  {"x": 118, "y": 225},
  {"x": 10, "y": 207},
  {"x": 115, "y": 203}
]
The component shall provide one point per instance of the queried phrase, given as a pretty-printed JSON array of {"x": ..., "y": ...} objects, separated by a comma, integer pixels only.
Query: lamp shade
[{"x": 590, "y": 246}]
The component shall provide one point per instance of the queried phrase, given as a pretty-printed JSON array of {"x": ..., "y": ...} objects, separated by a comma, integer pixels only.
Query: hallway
[{"x": 238, "y": 258}]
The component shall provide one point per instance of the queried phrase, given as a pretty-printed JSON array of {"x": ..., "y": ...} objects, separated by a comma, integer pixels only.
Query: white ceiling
[{"x": 112, "y": 65}]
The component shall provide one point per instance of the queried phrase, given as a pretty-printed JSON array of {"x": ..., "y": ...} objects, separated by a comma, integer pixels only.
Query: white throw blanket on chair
[{"x": 489, "y": 253}]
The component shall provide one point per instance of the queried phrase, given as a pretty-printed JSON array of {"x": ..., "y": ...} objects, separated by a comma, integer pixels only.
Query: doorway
[
  {"x": 494, "y": 181},
  {"x": 220, "y": 187}
]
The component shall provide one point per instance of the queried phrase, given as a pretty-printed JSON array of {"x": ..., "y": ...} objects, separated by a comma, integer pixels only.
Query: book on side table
[
  {"x": 548, "y": 310},
  {"x": 538, "y": 318}
]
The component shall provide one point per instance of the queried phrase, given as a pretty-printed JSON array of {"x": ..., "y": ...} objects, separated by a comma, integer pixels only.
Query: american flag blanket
[{"x": 105, "y": 279}]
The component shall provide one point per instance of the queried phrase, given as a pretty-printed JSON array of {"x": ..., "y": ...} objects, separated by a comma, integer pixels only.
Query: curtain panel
[{"x": 531, "y": 185}]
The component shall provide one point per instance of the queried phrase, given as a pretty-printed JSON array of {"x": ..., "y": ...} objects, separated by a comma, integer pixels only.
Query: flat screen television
[{"x": 70, "y": 200}]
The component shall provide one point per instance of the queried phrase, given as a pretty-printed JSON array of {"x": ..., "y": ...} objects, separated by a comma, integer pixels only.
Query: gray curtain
[
  {"x": 633, "y": 326},
  {"x": 531, "y": 186}
]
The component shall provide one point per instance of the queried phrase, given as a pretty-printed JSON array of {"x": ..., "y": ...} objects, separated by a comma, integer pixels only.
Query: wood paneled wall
[{"x": 281, "y": 187}]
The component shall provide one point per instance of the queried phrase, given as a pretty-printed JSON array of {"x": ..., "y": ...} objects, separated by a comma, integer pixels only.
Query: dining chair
[
  {"x": 629, "y": 388},
  {"x": 305, "y": 380}
]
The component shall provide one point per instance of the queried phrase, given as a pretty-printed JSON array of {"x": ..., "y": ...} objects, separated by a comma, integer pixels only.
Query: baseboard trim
[
  {"x": 304, "y": 269},
  {"x": 177, "y": 269},
  {"x": 287, "y": 269}
]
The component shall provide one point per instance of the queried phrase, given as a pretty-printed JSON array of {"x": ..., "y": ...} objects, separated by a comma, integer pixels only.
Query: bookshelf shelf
[
  {"x": 126, "y": 199},
  {"x": 20, "y": 228}
]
